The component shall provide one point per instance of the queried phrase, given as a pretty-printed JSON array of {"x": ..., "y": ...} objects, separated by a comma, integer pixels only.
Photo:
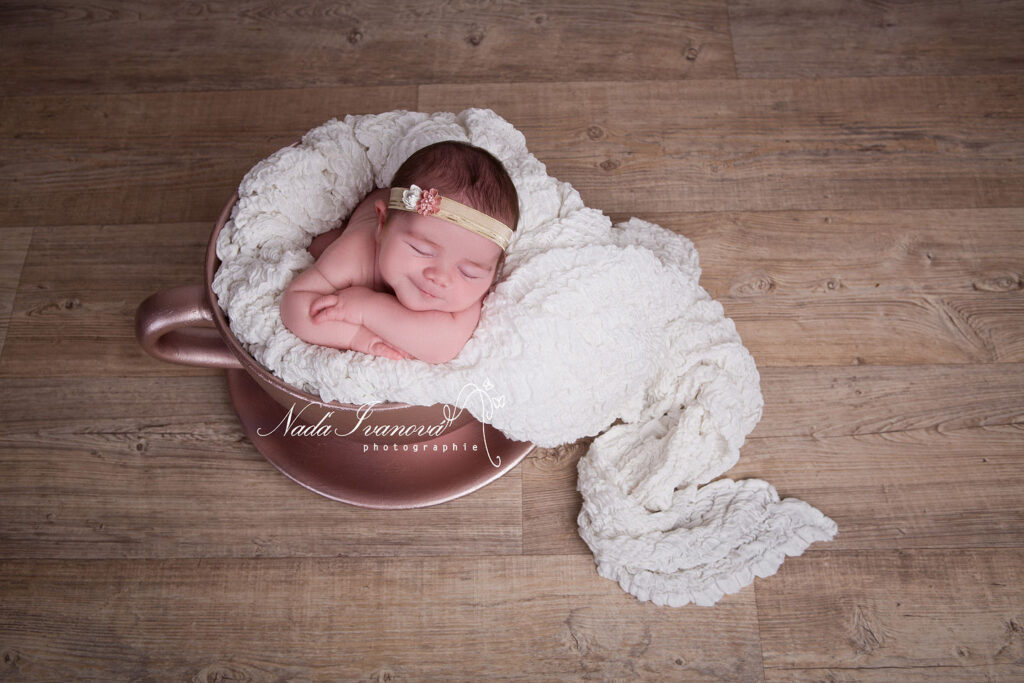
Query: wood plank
[
  {"x": 13, "y": 248},
  {"x": 822, "y": 402},
  {"x": 349, "y": 619},
  {"x": 949, "y": 286},
  {"x": 899, "y": 457},
  {"x": 993, "y": 673},
  {"x": 845, "y": 224},
  {"x": 864, "y": 611},
  {"x": 835, "y": 38},
  {"x": 121, "y": 46},
  {"x": 742, "y": 145},
  {"x": 865, "y": 287},
  {"x": 751, "y": 255},
  {"x": 919, "y": 489},
  {"x": 155, "y": 157},
  {"x": 80, "y": 288},
  {"x": 908, "y": 489},
  {"x": 982, "y": 327},
  {"x": 551, "y": 502},
  {"x": 729, "y": 145},
  {"x": 859, "y": 143},
  {"x": 123, "y": 467}
]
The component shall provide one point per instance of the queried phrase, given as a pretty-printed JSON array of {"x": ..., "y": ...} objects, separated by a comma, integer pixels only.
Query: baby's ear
[{"x": 382, "y": 216}]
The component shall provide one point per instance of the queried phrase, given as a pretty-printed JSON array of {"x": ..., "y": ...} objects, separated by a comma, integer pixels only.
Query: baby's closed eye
[{"x": 471, "y": 273}]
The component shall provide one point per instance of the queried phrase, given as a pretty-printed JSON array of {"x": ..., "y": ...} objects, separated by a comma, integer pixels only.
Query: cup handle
[{"x": 176, "y": 325}]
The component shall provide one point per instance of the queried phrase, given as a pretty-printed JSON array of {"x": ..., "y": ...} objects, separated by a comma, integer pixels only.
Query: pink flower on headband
[{"x": 429, "y": 203}]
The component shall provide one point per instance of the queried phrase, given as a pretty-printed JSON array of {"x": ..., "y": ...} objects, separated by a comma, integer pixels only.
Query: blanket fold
[{"x": 590, "y": 323}]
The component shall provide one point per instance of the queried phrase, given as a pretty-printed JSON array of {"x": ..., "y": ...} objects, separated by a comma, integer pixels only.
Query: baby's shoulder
[{"x": 349, "y": 259}]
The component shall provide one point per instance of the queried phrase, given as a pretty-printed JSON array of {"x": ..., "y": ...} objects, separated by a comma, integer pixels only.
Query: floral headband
[{"x": 431, "y": 203}]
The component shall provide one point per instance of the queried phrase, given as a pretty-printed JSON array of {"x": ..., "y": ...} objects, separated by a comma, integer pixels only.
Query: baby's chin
[{"x": 417, "y": 305}]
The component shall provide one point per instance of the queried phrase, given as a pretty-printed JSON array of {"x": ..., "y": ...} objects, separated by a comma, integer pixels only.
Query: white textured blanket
[{"x": 590, "y": 323}]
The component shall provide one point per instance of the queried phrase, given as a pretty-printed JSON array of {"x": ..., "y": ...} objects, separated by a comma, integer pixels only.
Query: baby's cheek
[
  {"x": 388, "y": 269},
  {"x": 397, "y": 264},
  {"x": 485, "y": 286},
  {"x": 467, "y": 298}
]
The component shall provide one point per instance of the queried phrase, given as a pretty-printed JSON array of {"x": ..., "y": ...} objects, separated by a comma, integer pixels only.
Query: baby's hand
[
  {"x": 323, "y": 308},
  {"x": 368, "y": 342},
  {"x": 382, "y": 348},
  {"x": 344, "y": 306}
]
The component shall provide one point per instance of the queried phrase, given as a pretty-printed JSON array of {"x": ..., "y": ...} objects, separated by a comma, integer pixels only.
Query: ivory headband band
[{"x": 430, "y": 203}]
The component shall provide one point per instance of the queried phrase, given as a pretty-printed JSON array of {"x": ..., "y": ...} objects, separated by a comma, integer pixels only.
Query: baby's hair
[{"x": 465, "y": 173}]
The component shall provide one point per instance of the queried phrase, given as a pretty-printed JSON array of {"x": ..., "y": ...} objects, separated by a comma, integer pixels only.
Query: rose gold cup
[{"x": 186, "y": 325}]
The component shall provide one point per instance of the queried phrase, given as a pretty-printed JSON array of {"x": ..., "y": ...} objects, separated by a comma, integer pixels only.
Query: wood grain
[
  {"x": 13, "y": 248},
  {"x": 856, "y": 199},
  {"x": 856, "y": 287},
  {"x": 349, "y": 619},
  {"x": 954, "y": 611},
  {"x": 906, "y": 287},
  {"x": 181, "y": 456},
  {"x": 756, "y": 255},
  {"x": 899, "y": 457},
  {"x": 835, "y": 38},
  {"x": 904, "y": 674},
  {"x": 905, "y": 489},
  {"x": 741, "y": 145},
  {"x": 157, "y": 157},
  {"x": 66, "y": 47},
  {"x": 79, "y": 291},
  {"x": 125, "y": 467},
  {"x": 822, "y": 402},
  {"x": 551, "y": 502},
  {"x": 728, "y": 145}
]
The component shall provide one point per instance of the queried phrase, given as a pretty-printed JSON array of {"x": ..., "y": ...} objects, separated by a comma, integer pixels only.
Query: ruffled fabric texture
[{"x": 590, "y": 323}]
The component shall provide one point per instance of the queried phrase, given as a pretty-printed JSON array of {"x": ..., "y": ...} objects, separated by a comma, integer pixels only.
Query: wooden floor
[{"x": 852, "y": 173}]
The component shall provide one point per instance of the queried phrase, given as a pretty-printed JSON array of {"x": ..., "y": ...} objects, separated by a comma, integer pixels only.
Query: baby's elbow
[
  {"x": 432, "y": 356},
  {"x": 444, "y": 358},
  {"x": 442, "y": 353}
]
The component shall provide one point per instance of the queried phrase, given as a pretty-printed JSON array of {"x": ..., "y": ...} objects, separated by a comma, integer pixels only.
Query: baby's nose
[{"x": 438, "y": 276}]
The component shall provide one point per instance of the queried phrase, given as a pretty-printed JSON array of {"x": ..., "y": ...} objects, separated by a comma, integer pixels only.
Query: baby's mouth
[{"x": 425, "y": 292}]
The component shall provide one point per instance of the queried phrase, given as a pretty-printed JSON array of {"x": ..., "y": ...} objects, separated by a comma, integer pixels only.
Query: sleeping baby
[{"x": 407, "y": 276}]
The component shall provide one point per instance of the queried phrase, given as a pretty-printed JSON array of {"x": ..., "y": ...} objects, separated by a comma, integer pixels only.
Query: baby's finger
[
  {"x": 386, "y": 350},
  {"x": 329, "y": 313},
  {"x": 383, "y": 351},
  {"x": 322, "y": 302}
]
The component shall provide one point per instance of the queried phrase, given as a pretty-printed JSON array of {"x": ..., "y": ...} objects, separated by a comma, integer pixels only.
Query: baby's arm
[
  {"x": 296, "y": 313},
  {"x": 346, "y": 261},
  {"x": 431, "y": 336},
  {"x": 296, "y": 301},
  {"x": 338, "y": 334}
]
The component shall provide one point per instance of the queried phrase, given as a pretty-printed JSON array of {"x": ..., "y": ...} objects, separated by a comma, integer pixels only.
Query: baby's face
[{"x": 432, "y": 264}]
